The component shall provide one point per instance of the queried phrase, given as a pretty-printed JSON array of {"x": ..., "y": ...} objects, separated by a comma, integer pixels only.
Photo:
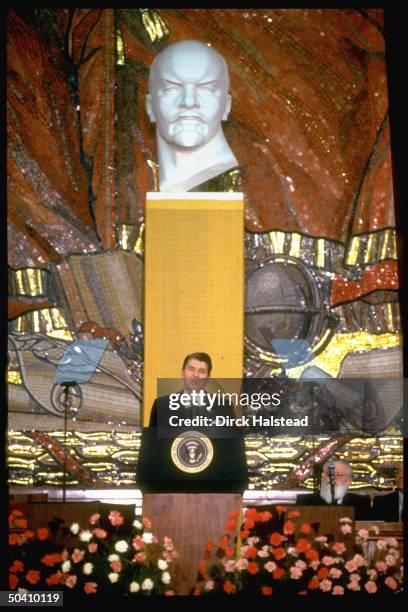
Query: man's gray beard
[{"x": 339, "y": 491}]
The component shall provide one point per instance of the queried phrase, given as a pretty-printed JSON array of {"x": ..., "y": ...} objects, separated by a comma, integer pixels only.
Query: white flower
[
  {"x": 166, "y": 577},
  {"x": 85, "y": 536},
  {"x": 147, "y": 537},
  {"x": 88, "y": 568},
  {"x": 74, "y": 528},
  {"x": 113, "y": 558},
  {"x": 147, "y": 584},
  {"x": 66, "y": 566},
  {"x": 162, "y": 564},
  {"x": 209, "y": 585},
  {"x": 121, "y": 546},
  {"x": 113, "y": 576},
  {"x": 138, "y": 525},
  {"x": 134, "y": 587}
]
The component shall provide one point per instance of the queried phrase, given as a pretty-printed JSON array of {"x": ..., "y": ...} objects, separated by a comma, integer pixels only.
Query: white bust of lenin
[{"x": 188, "y": 99}]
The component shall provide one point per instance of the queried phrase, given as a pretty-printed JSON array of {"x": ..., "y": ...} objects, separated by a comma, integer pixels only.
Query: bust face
[{"x": 188, "y": 96}]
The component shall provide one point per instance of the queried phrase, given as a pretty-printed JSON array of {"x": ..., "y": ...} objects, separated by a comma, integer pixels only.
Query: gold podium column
[{"x": 194, "y": 285}]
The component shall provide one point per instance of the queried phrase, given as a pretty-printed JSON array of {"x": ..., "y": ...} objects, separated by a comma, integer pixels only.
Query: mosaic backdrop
[{"x": 309, "y": 126}]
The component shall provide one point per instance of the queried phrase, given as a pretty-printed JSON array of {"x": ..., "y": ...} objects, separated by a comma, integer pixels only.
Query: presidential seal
[{"x": 192, "y": 452}]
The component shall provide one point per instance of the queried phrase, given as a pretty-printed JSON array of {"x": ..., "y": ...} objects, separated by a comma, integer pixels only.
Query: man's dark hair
[{"x": 200, "y": 357}]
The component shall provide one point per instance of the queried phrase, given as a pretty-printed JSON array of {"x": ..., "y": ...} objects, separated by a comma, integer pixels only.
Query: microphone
[{"x": 332, "y": 478}]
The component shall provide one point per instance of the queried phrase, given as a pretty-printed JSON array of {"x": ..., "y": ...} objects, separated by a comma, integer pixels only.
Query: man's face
[
  {"x": 341, "y": 474},
  {"x": 195, "y": 375},
  {"x": 188, "y": 98}
]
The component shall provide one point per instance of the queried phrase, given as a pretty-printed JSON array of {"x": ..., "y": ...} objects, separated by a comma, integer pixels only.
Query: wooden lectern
[{"x": 194, "y": 301}]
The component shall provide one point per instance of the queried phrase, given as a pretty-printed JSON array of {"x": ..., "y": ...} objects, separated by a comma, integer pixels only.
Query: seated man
[
  {"x": 343, "y": 477},
  {"x": 195, "y": 372},
  {"x": 389, "y": 507}
]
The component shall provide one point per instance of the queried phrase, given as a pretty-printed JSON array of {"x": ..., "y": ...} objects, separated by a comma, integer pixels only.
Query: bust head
[
  {"x": 188, "y": 93},
  {"x": 188, "y": 99}
]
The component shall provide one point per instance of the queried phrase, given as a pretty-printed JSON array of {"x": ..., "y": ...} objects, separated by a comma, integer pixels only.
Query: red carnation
[
  {"x": 228, "y": 587},
  {"x": 13, "y": 581},
  {"x": 251, "y": 552},
  {"x": 278, "y": 553},
  {"x": 312, "y": 554},
  {"x": 305, "y": 528},
  {"x": 302, "y": 545},
  {"x": 289, "y": 527},
  {"x": 313, "y": 584},
  {"x": 266, "y": 590},
  {"x": 275, "y": 539},
  {"x": 253, "y": 568},
  {"x": 42, "y": 533},
  {"x": 322, "y": 573},
  {"x": 33, "y": 576},
  {"x": 17, "y": 566},
  {"x": 278, "y": 573}
]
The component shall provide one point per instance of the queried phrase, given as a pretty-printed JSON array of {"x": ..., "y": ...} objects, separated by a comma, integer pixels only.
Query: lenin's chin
[{"x": 189, "y": 138}]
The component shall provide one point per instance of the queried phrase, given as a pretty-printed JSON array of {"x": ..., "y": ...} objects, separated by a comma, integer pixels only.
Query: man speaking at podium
[{"x": 193, "y": 401}]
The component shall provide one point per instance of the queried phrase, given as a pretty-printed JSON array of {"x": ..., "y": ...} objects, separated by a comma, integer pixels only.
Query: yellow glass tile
[
  {"x": 138, "y": 248},
  {"x": 320, "y": 253},
  {"x": 277, "y": 241},
  {"x": 14, "y": 378},
  {"x": 369, "y": 248},
  {"x": 353, "y": 251},
  {"x": 20, "y": 284},
  {"x": 295, "y": 245},
  {"x": 120, "y": 49}
]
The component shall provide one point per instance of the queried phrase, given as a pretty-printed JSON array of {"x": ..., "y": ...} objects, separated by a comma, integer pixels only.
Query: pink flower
[
  {"x": 99, "y": 533},
  {"x": 346, "y": 528},
  {"x": 391, "y": 583},
  {"x": 116, "y": 566},
  {"x": 327, "y": 560},
  {"x": 335, "y": 573},
  {"x": 339, "y": 548},
  {"x": 381, "y": 544},
  {"x": 140, "y": 556},
  {"x": 264, "y": 552},
  {"x": 147, "y": 523},
  {"x": 370, "y": 587},
  {"x": 314, "y": 564},
  {"x": 270, "y": 566},
  {"x": 325, "y": 585},
  {"x": 90, "y": 587},
  {"x": 242, "y": 564},
  {"x": 392, "y": 542},
  {"x": 209, "y": 585},
  {"x": 92, "y": 547},
  {"x": 390, "y": 560},
  {"x": 71, "y": 581},
  {"x": 137, "y": 542},
  {"x": 301, "y": 564},
  {"x": 381, "y": 566},
  {"x": 353, "y": 586},
  {"x": 338, "y": 590},
  {"x": 321, "y": 539},
  {"x": 230, "y": 565},
  {"x": 94, "y": 519},
  {"x": 295, "y": 573},
  {"x": 351, "y": 566},
  {"x": 363, "y": 533},
  {"x": 372, "y": 573},
  {"x": 359, "y": 560},
  {"x": 116, "y": 518},
  {"x": 77, "y": 555},
  {"x": 355, "y": 577}
]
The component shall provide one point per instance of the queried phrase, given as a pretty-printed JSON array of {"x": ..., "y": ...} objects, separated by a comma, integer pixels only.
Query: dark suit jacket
[
  {"x": 361, "y": 503},
  {"x": 161, "y": 404},
  {"x": 386, "y": 507}
]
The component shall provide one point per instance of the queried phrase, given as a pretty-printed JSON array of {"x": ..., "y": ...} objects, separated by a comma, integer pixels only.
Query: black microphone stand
[
  {"x": 67, "y": 405},
  {"x": 331, "y": 469}
]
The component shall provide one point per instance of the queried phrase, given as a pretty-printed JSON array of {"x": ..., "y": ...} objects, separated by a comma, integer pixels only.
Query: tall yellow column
[{"x": 194, "y": 285}]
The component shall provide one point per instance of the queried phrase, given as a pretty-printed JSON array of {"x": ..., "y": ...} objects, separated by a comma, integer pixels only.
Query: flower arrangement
[
  {"x": 107, "y": 557},
  {"x": 35, "y": 557},
  {"x": 292, "y": 558}
]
